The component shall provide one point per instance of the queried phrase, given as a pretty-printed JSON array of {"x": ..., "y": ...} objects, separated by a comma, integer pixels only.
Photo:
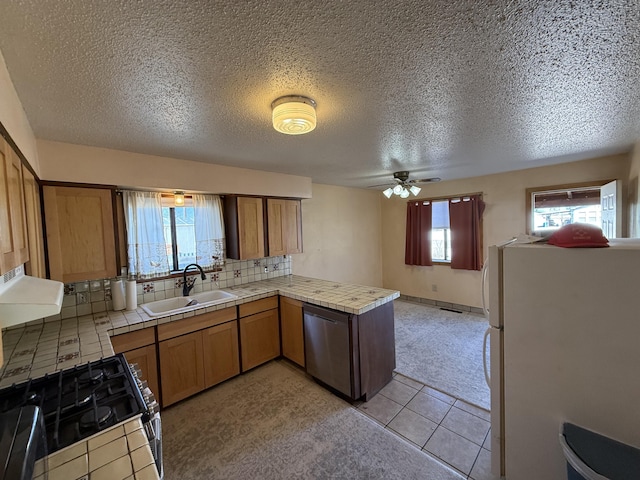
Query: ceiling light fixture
[
  {"x": 294, "y": 114},
  {"x": 178, "y": 199},
  {"x": 401, "y": 191}
]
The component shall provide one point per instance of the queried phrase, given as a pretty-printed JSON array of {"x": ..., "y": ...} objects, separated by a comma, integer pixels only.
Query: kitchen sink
[
  {"x": 213, "y": 296},
  {"x": 172, "y": 306}
]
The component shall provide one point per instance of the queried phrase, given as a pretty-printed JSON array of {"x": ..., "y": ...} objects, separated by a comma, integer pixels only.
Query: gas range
[{"x": 79, "y": 402}]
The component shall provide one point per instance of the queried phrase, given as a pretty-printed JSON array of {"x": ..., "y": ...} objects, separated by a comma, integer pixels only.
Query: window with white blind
[{"x": 440, "y": 231}]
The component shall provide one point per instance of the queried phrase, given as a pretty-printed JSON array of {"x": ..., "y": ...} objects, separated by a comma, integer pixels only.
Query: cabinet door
[
  {"x": 284, "y": 226},
  {"x": 35, "y": 267},
  {"x": 250, "y": 228},
  {"x": 80, "y": 233},
  {"x": 221, "y": 355},
  {"x": 145, "y": 357},
  {"x": 182, "y": 367},
  {"x": 13, "y": 224},
  {"x": 291, "y": 327},
  {"x": 259, "y": 338}
]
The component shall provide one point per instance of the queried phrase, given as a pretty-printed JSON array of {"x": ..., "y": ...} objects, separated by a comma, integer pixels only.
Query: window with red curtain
[
  {"x": 463, "y": 226},
  {"x": 465, "y": 217},
  {"x": 418, "y": 243}
]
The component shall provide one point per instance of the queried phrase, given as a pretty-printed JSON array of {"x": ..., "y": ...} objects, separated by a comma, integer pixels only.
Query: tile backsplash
[{"x": 90, "y": 297}]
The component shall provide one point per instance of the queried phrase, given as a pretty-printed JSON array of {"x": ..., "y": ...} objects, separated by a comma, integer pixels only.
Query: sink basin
[
  {"x": 212, "y": 296},
  {"x": 172, "y": 306}
]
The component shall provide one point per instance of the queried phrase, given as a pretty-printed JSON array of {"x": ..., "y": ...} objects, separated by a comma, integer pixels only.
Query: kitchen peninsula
[{"x": 37, "y": 348}]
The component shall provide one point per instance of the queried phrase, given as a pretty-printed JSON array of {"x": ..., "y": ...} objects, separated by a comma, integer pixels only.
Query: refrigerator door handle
[
  {"x": 485, "y": 268},
  {"x": 484, "y": 356}
]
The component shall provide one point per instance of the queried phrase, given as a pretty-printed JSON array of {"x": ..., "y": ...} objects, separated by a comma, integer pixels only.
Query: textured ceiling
[{"x": 441, "y": 88}]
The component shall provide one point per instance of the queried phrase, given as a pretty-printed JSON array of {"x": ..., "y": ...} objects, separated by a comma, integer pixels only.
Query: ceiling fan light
[
  {"x": 388, "y": 192},
  {"x": 294, "y": 114},
  {"x": 404, "y": 193},
  {"x": 415, "y": 190},
  {"x": 397, "y": 189}
]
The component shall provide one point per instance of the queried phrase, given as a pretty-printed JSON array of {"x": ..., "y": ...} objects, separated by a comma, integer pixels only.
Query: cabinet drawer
[
  {"x": 133, "y": 340},
  {"x": 198, "y": 322},
  {"x": 258, "y": 306}
]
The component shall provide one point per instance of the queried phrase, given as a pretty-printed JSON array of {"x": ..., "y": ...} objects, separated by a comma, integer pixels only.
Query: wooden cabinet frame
[
  {"x": 197, "y": 353},
  {"x": 14, "y": 249},
  {"x": 80, "y": 231}
]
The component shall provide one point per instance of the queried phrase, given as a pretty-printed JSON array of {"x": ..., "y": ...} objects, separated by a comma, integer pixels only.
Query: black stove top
[{"x": 81, "y": 401}]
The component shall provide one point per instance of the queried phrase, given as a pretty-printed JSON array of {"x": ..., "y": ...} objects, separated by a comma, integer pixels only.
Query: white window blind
[{"x": 440, "y": 214}]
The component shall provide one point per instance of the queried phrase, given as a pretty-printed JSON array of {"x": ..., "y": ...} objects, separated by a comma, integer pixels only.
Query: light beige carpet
[
  {"x": 442, "y": 349},
  {"x": 276, "y": 423}
]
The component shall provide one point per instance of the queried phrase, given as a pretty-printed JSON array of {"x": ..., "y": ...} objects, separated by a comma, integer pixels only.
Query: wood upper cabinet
[
  {"x": 13, "y": 224},
  {"x": 284, "y": 226},
  {"x": 35, "y": 266},
  {"x": 80, "y": 233},
  {"x": 292, "y": 330},
  {"x": 244, "y": 227},
  {"x": 259, "y": 332}
]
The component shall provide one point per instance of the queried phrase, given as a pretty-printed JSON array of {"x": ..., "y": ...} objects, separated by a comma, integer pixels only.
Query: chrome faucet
[{"x": 186, "y": 288}]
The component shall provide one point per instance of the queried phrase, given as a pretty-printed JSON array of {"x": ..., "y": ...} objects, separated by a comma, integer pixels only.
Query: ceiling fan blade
[
  {"x": 383, "y": 185},
  {"x": 425, "y": 180}
]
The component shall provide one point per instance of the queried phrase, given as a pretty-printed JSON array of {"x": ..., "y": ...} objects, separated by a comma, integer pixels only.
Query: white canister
[
  {"x": 117, "y": 294},
  {"x": 132, "y": 295}
]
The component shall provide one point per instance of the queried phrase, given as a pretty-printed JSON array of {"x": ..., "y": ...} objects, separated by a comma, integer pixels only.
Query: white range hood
[{"x": 25, "y": 298}]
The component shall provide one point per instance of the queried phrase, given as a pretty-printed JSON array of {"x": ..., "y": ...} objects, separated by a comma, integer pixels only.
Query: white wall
[
  {"x": 67, "y": 162},
  {"x": 504, "y": 217},
  {"x": 633, "y": 196},
  {"x": 14, "y": 119},
  {"x": 341, "y": 236}
]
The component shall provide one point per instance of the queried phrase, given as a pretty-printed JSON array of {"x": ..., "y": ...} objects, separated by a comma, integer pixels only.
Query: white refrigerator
[{"x": 564, "y": 343}]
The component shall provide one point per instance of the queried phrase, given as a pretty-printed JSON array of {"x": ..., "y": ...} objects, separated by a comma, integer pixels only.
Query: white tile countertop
[
  {"x": 48, "y": 345},
  {"x": 117, "y": 453}
]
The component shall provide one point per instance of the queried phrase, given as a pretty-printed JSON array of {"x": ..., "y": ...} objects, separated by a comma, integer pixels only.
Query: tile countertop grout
[{"x": 37, "y": 348}]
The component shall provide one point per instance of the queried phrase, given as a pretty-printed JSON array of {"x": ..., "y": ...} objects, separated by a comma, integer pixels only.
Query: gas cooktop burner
[
  {"x": 94, "y": 376},
  {"x": 96, "y": 417},
  {"x": 80, "y": 401}
]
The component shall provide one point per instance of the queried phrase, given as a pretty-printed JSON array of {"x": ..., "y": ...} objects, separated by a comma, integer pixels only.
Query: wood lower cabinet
[
  {"x": 181, "y": 367},
  {"x": 221, "y": 355},
  {"x": 140, "y": 347},
  {"x": 146, "y": 359},
  {"x": 197, "y": 353},
  {"x": 259, "y": 332},
  {"x": 292, "y": 330}
]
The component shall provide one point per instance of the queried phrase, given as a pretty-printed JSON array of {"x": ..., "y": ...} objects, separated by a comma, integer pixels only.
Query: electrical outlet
[
  {"x": 81, "y": 297},
  {"x": 434, "y": 287}
]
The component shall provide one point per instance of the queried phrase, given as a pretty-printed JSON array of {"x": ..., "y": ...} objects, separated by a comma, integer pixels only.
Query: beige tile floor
[{"x": 448, "y": 428}]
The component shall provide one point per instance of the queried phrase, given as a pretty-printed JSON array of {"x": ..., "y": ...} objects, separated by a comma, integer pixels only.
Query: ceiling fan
[{"x": 403, "y": 186}]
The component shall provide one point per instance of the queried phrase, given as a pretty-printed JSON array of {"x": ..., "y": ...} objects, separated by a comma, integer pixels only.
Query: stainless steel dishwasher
[{"x": 327, "y": 347}]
